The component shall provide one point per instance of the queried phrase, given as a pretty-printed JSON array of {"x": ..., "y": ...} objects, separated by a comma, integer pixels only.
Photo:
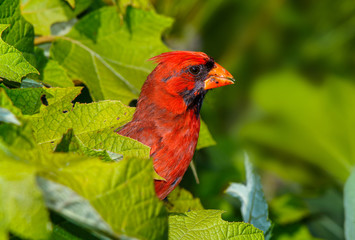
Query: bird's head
[{"x": 182, "y": 79}]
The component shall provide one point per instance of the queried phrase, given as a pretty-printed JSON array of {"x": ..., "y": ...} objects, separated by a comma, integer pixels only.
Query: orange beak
[{"x": 218, "y": 77}]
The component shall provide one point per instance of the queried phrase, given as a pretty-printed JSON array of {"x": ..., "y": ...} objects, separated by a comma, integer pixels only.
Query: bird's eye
[{"x": 195, "y": 70}]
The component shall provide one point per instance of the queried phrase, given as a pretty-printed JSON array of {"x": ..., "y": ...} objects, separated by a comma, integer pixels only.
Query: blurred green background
[{"x": 291, "y": 109}]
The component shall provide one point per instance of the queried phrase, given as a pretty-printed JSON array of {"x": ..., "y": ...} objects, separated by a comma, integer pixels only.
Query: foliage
[
  {"x": 64, "y": 171},
  {"x": 291, "y": 107},
  {"x": 69, "y": 68},
  {"x": 254, "y": 207},
  {"x": 210, "y": 226}
]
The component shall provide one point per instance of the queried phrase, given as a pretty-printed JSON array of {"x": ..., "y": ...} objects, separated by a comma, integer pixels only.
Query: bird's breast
[{"x": 173, "y": 153}]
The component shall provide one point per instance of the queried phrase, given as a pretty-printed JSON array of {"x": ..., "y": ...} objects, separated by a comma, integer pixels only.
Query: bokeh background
[{"x": 292, "y": 107}]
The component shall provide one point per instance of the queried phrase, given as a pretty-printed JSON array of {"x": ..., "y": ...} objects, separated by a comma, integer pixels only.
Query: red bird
[{"x": 167, "y": 117}]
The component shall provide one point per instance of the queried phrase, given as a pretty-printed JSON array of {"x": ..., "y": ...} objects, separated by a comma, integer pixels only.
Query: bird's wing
[{"x": 144, "y": 132}]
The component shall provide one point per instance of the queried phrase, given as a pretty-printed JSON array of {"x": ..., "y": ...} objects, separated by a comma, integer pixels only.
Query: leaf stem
[{"x": 44, "y": 39}]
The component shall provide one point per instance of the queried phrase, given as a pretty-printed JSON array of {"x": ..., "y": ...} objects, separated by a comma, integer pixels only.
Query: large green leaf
[
  {"x": 312, "y": 123},
  {"x": 13, "y": 65},
  {"x": 208, "y": 224},
  {"x": 71, "y": 143},
  {"x": 31, "y": 100},
  {"x": 94, "y": 124},
  {"x": 43, "y": 13},
  {"x": 122, "y": 202},
  {"x": 349, "y": 206},
  {"x": 20, "y": 33},
  {"x": 15, "y": 135},
  {"x": 254, "y": 206},
  {"x": 22, "y": 208},
  {"x": 110, "y": 56},
  {"x": 181, "y": 200},
  {"x": 51, "y": 73},
  {"x": 128, "y": 206},
  {"x": 68, "y": 203}
]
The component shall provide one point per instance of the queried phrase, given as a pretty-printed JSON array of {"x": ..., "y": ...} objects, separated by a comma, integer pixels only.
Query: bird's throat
[{"x": 194, "y": 101}]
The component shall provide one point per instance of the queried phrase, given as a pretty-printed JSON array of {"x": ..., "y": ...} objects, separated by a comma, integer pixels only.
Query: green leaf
[
  {"x": 31, "y": 100},
  {"x": 94, "y": 124},
  {"x": 28, "y": 100},
  {"x": 181, "y": 200},
  {"x": 20, "y": 33},
  {"x": 13, "y": 65},
  {"x": 51, "y": 73},
  {"x": 303, "y": 126},
  {"x": 55, "y": 75},
  {"x": 110, "y": 56},
  {"x": 71, "y": 143},
  {"x": 349, "y": 207},
  {"x": 6, "y": 103},
  {"x": 254, "y": 206},
  {"x": 43, "y": 13},
  {"x": 128, "y": 206},
  {"x": 205, "y": 138},
  {"x": 21, "y": 204},
  {"x": 68, "y": 203},
  {"x": 207, "y": 224}
]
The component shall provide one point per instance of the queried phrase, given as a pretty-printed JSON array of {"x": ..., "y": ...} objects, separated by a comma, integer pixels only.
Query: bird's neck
[{"x": 176, "y": 110}]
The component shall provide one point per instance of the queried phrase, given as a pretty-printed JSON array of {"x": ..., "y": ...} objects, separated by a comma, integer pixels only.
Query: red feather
[{"x": 164, "y": 119}]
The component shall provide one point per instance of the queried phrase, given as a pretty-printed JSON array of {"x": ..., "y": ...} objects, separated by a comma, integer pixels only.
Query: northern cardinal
[{"x": 167, "y": 117}]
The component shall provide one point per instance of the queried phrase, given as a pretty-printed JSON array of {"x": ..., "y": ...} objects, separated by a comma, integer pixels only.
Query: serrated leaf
[
  {"x": 20, "y": 33},
  {"x": 71, "y": 143},
  {"x": 43, "y": 13},
  {"x": 180, "y": 200},
  {"x": 254, "y": 206},
  {"x": 13, "y": 65},
  {"x": 30, "y": 100},
  {"x": 68, "y": 203},
  {"x": 349, "y": 207},
  {"x": 128, "y": 206},
  {"x": 110, "y": 56},
  {"x": 205, "y": 138},
  {"x": 94, "y": 124},
  {"x": 21, "y": 204},
  {"x": 208, "y": 224}
]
